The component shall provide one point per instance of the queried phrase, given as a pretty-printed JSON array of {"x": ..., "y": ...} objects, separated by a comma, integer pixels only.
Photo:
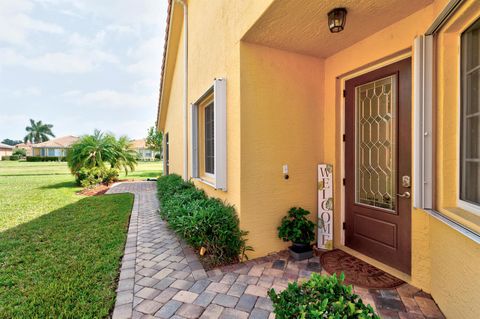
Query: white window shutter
[
  {"x": 220, "y": 104},
  {"x": 423, "y": 122},
  {"x": 194, "y": 130}
]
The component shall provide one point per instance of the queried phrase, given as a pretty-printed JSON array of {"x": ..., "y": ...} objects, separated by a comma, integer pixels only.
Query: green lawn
[{"x": 59, "y": 252}]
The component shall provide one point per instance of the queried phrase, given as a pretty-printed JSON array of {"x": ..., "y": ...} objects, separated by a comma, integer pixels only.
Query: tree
[
  {"x": 38, "y": 132},
  {"x": 125, "y": 156},
  {"x": 100, "y": 149},
  {"x": 20, "y": 152},
  {"x": 154, "y": 139},
  {"x": 11, "y": 142}
]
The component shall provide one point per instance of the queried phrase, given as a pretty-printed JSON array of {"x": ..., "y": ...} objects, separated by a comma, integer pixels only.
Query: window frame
[
  {"x": 201, "y": 139},
  {"x": 470, "y": 206},
  {"x": 216, "y": 93}
]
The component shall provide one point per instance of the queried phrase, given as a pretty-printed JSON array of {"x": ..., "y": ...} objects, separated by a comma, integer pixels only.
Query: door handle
[{"x": 404, "y": 195}]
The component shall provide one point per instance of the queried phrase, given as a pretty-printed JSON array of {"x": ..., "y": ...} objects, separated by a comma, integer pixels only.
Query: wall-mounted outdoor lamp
[{"x": 336, "y": 19}]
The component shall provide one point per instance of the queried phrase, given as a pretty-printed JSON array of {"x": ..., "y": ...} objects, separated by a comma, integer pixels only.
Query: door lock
[
  {"x": 406, "y": 181},
  {"x": 404, "y": 195}
]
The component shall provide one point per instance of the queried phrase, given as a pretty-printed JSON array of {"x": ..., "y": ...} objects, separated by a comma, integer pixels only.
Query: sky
[{"x": 80, "y": 65}]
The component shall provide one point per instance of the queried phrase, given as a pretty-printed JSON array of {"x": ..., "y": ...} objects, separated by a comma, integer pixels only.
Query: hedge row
[
  {"x": 46, "y": 158},
  {"x": 11, "y": 158},
  {"x": 202, "y": 221}
]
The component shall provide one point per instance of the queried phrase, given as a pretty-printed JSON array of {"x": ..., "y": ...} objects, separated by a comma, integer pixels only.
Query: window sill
[
  {"x": 464, "y": 217},
  {"x": 204, "y": 181},
  {"x": 463, "y": 221}
]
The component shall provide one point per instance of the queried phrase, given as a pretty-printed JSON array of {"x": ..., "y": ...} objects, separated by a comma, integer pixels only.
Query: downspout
[{"x": 185, "y": 89}]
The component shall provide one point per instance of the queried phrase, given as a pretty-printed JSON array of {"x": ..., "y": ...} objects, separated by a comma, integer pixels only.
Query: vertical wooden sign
[{"x": 325, "y": 206}]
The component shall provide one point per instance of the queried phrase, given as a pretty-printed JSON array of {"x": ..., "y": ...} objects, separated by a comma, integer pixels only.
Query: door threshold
[{"x": 388, "y": 269}]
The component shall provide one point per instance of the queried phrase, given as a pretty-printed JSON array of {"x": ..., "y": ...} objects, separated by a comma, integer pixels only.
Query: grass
[
  {"x": 59, "y": 252},
  {"x": 31, "y": 189}
]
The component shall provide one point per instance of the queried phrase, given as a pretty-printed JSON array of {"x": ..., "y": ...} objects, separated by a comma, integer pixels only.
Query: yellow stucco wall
[
  {"x": 436, "y": 248},
  {"x": 285, "y": 108},
  {"x": 455, "y": 259},
  {"x": 281, "y": 94},
  {"x": 214, "y": 52}
]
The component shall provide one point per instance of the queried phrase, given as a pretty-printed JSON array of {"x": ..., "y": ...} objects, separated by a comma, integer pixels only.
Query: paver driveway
[{"x": 161, "y": 276}]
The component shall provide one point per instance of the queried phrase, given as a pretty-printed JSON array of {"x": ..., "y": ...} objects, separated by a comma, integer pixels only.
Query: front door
[{"x": 378, "y": 164}]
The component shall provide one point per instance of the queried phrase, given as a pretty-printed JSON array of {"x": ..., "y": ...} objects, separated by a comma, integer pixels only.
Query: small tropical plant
[
  {"x": 19, "y": 152},
  {"x": 320, "y": 297},
  {"x": 100, "y": 151},
  {"x": 38, "y": 132},
  {"x": 295, "y": 227},
  {"x": 202, "y": 221}
]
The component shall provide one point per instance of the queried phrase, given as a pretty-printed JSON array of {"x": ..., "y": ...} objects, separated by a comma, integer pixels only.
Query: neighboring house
[
  {"x": 54, "y": 147},
  {"x": 144, "y": 153},
  {"x": 391, "y": 102},
  {"x": 5, "y": 150},
  {"x": 26, "y": 146}
]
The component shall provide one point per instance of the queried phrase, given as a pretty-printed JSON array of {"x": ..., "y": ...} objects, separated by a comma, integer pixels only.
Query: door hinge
[
  {"x": 344, "y": 225},
  {"x": 343, "y": 181},
  {"x": 344, "y": 93},
  {"x": 344, "y": 137}
]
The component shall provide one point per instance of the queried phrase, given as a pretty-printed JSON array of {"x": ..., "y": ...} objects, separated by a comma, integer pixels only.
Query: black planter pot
[{"x": 301, "y": 251}]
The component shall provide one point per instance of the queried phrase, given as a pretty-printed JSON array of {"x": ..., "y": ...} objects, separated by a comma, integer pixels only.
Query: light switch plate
[{"x": 285, "y": 169}]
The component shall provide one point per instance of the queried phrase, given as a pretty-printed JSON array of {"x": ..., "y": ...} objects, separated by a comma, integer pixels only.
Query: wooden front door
[{"x": 378, "y": 164}]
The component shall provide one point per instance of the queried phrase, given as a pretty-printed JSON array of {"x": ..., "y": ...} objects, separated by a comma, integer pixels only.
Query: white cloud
[
  {"x": 12, "y": 124},
  {"x": 16, "y": 23},
  {"x": 147, "y": 57},
  {"x": 110, "y": 99},
  {"x": 29, "y": 91},
  {"x": 57, "y": 62}
]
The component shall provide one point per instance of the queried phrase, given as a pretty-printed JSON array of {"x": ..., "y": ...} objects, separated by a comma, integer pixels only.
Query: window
[
  {"x": 209, "y": 139},
  {"x": 209, "y": 142},
  {"x": 470, "y": 116}
]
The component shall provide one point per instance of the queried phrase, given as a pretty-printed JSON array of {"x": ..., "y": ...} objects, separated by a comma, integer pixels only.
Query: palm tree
[
  {"x": 99, "y": 149},
  {"x": 38, "y": 132},
  {"x": 125, "y": 156}
]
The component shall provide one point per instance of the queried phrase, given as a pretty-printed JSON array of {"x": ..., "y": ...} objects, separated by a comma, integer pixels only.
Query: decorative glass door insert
[{"x": 375, "y": 143}]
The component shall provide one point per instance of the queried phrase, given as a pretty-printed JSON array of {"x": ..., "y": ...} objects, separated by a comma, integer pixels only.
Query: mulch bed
[
  {"x": 97, "y": 190},
  {"x": 101, "y": 188}
]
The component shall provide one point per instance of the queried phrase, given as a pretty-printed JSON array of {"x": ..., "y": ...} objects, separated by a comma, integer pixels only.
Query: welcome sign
[{"x": 325, "y": 206}]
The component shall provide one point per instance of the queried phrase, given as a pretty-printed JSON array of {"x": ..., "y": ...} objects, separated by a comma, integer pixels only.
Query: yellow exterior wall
[
  {"x": 214, "y": 52},
  {"x": 455, "y": 259},
  {"x": 436, "y": 248},
  {"x": 281, "y": 95},
  {"x": 285, "y": 108}
]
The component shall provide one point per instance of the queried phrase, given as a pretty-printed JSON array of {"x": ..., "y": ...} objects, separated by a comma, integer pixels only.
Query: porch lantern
[{"x": 336, "y": 19}]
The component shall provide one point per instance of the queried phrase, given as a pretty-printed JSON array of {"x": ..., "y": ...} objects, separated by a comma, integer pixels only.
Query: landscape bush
[
  {"x": 11, "y": 158},
  {"x": 98, "y": 158},
  {"x": 320, "y": 297},
  {"x": 202, "y": 221},
  {"x": 46, "y": 158},
  {"x": 88, "y": 177},
  {"x": 20, "y": 152}
]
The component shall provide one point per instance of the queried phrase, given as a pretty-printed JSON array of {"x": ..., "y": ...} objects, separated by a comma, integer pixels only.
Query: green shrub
[
  {"x": 88, "y": 177},
  {"x": 295, "y": 227},
  {"x": 46, "y": 159},
  {"x": 20, "y": 152},
  {"x": 202, "y": 221},
  {"x": 10, "y": 158},
  {"x": 320, "y": 297}
]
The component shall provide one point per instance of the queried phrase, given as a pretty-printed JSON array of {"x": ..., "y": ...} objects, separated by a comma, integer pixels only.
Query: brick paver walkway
[{"x": 161, "y": 276}]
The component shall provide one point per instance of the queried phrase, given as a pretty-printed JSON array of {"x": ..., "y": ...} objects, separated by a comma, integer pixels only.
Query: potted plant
[{"x": 296, "y": 228}]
